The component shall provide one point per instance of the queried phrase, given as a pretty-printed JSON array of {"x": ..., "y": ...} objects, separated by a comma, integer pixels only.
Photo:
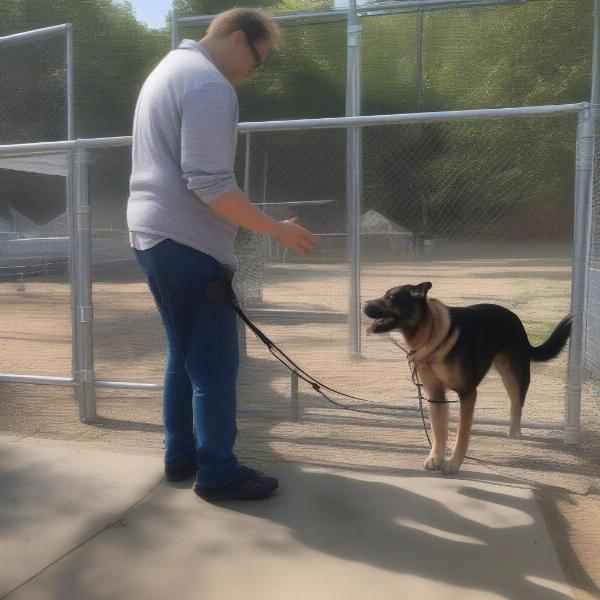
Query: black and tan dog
[{"x": 453, "y": 349}]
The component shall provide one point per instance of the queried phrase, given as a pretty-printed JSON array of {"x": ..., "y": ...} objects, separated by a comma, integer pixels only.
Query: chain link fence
[
  {"x": 33, "y": 90},
  {"x": 464, "y": 220},
  {"x": 481, "y": 208},
  {"x": 35, "y": 315},
  {"x": 530, "y": 53},
  {"x": 34, "y": 231}
]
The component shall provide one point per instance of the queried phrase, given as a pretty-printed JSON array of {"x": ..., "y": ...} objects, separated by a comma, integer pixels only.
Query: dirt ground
[{"x": 129, "y": 346}]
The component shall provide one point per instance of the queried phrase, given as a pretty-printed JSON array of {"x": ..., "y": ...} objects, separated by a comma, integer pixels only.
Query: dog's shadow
[{"x": 453, "y": 532}]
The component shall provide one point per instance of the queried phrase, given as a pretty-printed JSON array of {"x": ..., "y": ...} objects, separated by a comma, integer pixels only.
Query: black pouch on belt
[{"x": 221, "y": 291}]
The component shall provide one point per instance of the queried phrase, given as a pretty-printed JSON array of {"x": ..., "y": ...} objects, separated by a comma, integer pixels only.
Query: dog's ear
[{"x": 420, "y": 291}]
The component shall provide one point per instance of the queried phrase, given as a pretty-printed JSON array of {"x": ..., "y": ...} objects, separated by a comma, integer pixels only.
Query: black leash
[
  {"x": 319, "y": 387},
  {"x": 287, "y": 362},
  {"x": 417, "y": 382}
]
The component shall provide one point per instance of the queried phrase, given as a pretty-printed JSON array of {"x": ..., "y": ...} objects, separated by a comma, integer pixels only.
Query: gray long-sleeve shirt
[{"x": 184, "y": 141}]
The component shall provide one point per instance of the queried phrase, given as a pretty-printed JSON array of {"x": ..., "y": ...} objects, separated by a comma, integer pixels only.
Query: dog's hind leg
[
  {"x": 438, "y": 414},
  {"x": 515, "y": 373},
  {"x": 467, "y": 407}
]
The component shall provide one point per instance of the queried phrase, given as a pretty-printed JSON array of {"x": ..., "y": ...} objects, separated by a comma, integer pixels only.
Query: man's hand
[
  {"x": 295, "y": 237},
  {"x": 236, "y": 208}
]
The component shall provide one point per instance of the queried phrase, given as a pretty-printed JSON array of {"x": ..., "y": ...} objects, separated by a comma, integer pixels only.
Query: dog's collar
[{"x": 412, "y": 355}]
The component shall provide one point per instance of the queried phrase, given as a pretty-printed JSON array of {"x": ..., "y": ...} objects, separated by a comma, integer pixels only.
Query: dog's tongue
[{"x": 370, "y": 329}]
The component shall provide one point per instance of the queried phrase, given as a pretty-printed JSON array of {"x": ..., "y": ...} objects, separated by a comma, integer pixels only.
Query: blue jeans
[{"x": 199, "y": 403}]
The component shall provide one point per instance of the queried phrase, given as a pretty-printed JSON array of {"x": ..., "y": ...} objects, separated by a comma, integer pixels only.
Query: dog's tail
[{"x": 554, "y": 344}]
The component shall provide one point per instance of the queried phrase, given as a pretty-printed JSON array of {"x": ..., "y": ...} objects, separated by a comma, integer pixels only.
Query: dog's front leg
[
  {"x": 467, "y": 407},
  {"x": 438, "y": 413}
]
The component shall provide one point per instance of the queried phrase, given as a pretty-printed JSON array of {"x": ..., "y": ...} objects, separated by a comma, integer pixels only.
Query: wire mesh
[
  {"x": 35, "y": 292},
  {"x": 126, "y": 331},
  {"x": 536, "y": 52},
  {"x": 298, "y": 175},
  {"x": 35, "y": 313},
  {"x": 33, "y": 91},
  {"x": 490, "y": 181}
]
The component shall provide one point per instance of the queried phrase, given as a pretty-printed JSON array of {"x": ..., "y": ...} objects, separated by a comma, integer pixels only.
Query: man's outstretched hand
[{"x": 295, "y": 237}]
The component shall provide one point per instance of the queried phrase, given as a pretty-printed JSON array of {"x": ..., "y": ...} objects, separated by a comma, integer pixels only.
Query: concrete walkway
[{"x": 80, "y": 524}]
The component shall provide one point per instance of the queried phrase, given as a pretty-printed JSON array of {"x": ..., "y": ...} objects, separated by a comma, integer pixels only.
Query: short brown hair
[{"x": 255, "y": 23}]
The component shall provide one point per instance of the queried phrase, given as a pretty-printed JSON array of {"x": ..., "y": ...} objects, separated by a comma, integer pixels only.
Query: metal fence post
[
  {"x": 70, "y": 93},
  {"x": 595, "y": 109},
  {"x": 72, "y": 268},
  {"x": 247, "y": 165},
  {"x": 174, "y": 30},
  {"x": 579, "y": 279},
  {"x": 353, "y": 178},
  {"x": 83, "y": 374},
  {"x": 71, "y": 196},
  {"x": 419, "y": 53},
  {"x": 242, "y": 336},
  {"x": 595, "y": 92},
  {"x": 294, "y": 398}
]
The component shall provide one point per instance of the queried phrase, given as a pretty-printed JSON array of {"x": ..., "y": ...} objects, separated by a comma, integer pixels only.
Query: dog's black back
[
  {"x": 486, "y": 330},
  {"x": 489, "y": 330}
]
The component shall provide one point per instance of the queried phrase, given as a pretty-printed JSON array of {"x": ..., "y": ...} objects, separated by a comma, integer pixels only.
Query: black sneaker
[
  {"x": 248, "y": 484},
  {"x": 180, "y": 472}
]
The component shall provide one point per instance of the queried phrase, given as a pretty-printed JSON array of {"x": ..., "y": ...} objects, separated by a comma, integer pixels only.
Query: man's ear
[
  {"x": 420, "y": 291},
  {"x": 237, "y": 38}
]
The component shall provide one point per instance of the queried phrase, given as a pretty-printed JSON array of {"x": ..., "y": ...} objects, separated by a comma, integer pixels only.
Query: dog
[{"x": 453, "y": 348}]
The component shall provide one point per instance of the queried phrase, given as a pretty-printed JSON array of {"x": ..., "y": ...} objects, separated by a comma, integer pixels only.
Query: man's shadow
[{"x": 391, "y": 525}]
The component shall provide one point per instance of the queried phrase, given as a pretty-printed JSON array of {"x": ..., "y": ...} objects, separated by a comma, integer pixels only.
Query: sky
[
  {"x": 154, "y": 12},
  {"x": 151, "y": 12}
]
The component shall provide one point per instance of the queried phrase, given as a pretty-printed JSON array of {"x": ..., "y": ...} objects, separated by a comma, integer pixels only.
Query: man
[{"x": 183, "y": 213}]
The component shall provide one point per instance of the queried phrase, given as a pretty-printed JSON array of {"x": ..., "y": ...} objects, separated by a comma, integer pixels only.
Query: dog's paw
[
  {"x": 434, "y": 462},
  {"x": 450, "y": 467}
]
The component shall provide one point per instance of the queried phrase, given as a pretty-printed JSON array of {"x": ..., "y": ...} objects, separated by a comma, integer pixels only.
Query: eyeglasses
[{"x": 257, "y": 59}]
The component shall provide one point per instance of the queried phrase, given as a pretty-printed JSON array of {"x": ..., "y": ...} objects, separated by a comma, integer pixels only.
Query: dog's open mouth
[{"x": 381, "y": 325}]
